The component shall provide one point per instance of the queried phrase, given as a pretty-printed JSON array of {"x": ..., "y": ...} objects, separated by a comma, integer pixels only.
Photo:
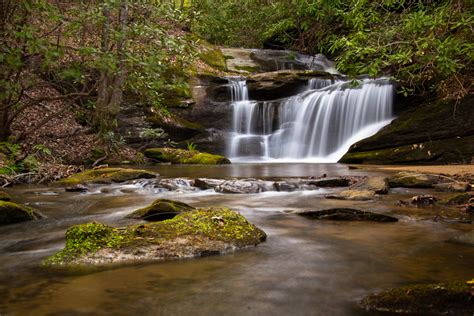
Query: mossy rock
[
  {"x": 412, "y": 180},
  {"x": 189, "y": 234},
  {"x": 214, "y": 58},
  {"x": 107, "y": 175},
  {"x": 182, "y": 156},
  {"x": 4, "y": 196},
  {"x": 347, "y": 214},
  {"x": 11, "y": 213},
  {"x": 453, "y": 298},
  {"x": 160, "y": 210},
  {"x": 458, "y": 199}
]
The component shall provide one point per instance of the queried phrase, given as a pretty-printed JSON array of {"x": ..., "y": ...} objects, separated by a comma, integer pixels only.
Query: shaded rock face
[
  {"x": 190, "y": 234},
  {"x": 206, "y": 184},
  {"x": 182, "y": 156},
  {"x": 425, "y": 134},
  {"x": 347, "y": 214},
  {"x": 161, "y": 210},
  {"x": 353, "y": 195},
  {"x": 452, "y": 187},
  {"x": 107, "y": 175},
  {"x": 11, "y": 213},
  {"x": 454, "y": 298}
]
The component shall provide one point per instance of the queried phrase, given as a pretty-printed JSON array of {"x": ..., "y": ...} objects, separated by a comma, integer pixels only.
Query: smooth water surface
[{"x": 304, "y": 268}]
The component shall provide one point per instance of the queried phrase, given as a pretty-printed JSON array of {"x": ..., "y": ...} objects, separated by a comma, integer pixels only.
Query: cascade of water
[{"x": 318, "y": 125}]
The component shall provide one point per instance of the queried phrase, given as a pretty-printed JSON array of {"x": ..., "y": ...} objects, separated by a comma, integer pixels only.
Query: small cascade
[{"x": 317, "y": 125}]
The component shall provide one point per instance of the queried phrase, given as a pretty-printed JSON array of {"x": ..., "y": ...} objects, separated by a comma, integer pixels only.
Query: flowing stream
[
  {"x": 305, "y": 267},
  {"x": 318, "y": 125}
]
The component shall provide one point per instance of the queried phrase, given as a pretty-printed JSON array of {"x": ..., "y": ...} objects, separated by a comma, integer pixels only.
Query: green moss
[
  {"x": 458, "y": 199},
  {"x": 181, "y": 156},
  {"x": 4, "y": 196},
  {"x": 220, "y": 224},
  {"x": 161, "y": 209},
  {"x": 14, "y": 213},
  {"x": 107, "y": 175},
  {"x": 442, "y": 151},
  {"x": 214, "y": 58},
  {"x": 453, "y": 297}
]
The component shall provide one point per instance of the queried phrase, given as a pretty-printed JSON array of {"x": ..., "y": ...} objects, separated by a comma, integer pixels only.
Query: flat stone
[
  {"x": 412, "y": 180},
  {"x": 466, "y": 239},
  {"x": 452, "y": 187},
  {"x": 353, "y": 195},
  {"x": 329, "y": 182},
  {"x": 242, "y": 186}
]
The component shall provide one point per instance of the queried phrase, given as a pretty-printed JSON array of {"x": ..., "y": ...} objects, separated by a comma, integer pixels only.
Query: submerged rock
[
  {"x": 107, "y": 175},
  {"x": 190, "y": 234},
  {"x": 467, "y": 239},
  {"x": 161, "y": 210},
  {"x": 353, "y": 195},
  {"x": 290, "y": 186},
  {"x": 206, "y": 184},
  {"x": 454, "y": 298},
  {"x": 242, "y": 186},
  {"x": 423, "y": 199},
  {"x": 11, "y": 213},
  {"x": 377, "y": 184},
  {"x": 330, "y": 182},
  {"x": 347, "y": 214},
  {"x": 77, "y": 188},
  {"x": 452, "y": 187},
  {"x": 4, "y": 196},
  {"x": 182, "y": 156}
]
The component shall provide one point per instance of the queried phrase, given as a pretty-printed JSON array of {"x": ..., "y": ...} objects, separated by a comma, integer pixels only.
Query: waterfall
[{"x": 318, "y": 125}]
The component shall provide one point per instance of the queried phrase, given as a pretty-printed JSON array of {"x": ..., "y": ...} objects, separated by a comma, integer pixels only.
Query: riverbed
[{"x": 305, "y": 267}]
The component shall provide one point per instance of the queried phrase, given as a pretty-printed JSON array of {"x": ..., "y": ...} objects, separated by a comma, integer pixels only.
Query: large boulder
[
  {"x": 107, "y": 175},
  {"x": 189, "y": 234},
  {"x": 452, "y": 187},
  {"x": 412, "y": 180},
  {"x": 11, "y": 213},
  {"x": 160, "y": 210},
  {"x": 347, "y": 214},
  {"x": 182, "y": 156},
  {"x": 377, "y": 184},
  {"x": 454, "y": 298}
]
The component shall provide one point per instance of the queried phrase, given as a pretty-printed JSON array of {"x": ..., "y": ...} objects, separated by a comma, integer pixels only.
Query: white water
[{"x": 318, "y": 125}]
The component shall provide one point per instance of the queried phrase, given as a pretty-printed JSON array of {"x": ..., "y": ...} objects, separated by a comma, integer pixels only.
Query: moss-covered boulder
[
  {"x": 182, "y": 156},
  {"x": 189, "y": 234},
  {"x": 454, "y": 298},
  {"x": 353, "y": 195},
  {"x": 4, "y": 196},
  {"x": 11, "y": 213},
  {"x": 412, "y": 180},
  {"x": 377, "y": 184},
  {"x": 107, "y": 175},
  {"x": 160, "y": 210}
]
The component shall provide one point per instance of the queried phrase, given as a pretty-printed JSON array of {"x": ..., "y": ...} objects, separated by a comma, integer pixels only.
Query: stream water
[{"x": 304, "y": 268}]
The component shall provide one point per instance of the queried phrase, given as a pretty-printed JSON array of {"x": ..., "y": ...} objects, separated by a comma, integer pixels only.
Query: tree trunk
[
  {"x": 110, "y": 89},
  {"x": 5, "y": 130}
]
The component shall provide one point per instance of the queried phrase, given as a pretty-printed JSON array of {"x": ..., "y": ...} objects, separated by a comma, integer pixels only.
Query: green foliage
[
  {"x": 152, "y": 133},
  {"x": 423, "y": 44},
  {"x": 191, "y": 146}
]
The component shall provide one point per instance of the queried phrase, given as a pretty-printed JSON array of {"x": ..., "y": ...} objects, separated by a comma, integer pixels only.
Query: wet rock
[
  {"x": 77, "y": 188},
  {"x": 347, "y": 214},
  {"x": 242, "y": 186},
  {"x": 412, "y": 180},
  {"x": 107, "y": 175},
  {"x": 161, "y": 210},
  {"x": 174, "y": 184},
  {"x": 423, "y": 200},
  {"x": 467, "y": 238},
  {"x": 206, "y": 184},
  {"x": 459, "y": 199},
  {"x": 377, "y": 184},
  {"x": 11, "y": 213},
  {"x": 182, "y": 156},
  {"x": 330, "y": 182},
  {"x": 353, "y": 195},
  {"x": 189, "y": 234},
  {"x": 454, "y": 298},
  {"x": 4, "y": 196},
  {"x": 291, "y": 186},
  {"x": 452, "y": 187}
]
